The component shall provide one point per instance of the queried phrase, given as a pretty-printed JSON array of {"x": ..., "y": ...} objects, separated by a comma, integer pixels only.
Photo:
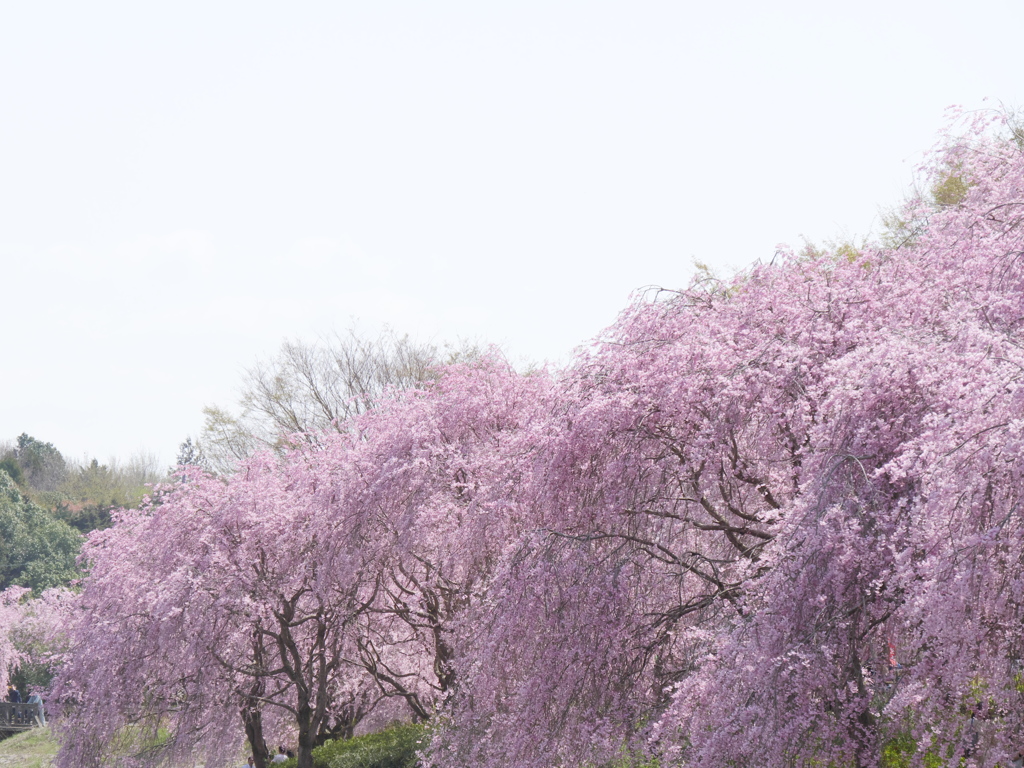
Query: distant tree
[
  {"x": 85, "y": 518},
  {"x": 307, "y": 389},
  {"x": 42, "y": 465},
  {"x": 191, "y": 454},
  {"x": 95, "y": 486},
  {"x": 81, "y": 494}
]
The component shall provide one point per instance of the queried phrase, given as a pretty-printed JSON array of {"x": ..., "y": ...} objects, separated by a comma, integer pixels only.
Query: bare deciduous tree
[{"x": 310, "y": 388}]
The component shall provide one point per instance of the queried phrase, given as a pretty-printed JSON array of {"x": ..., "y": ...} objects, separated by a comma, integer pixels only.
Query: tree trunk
[
  {"x": 864, "y": 729},
  {"x": 252, "y": 709},
  {"x": 343, "y": 728},
  {"x": 307, "y": 736},
  {"x": 252, "y": 719}
]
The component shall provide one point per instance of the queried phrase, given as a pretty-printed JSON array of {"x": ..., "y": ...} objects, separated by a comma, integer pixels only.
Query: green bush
[
  {"x": 394, "y": 747},
  {"x": 36, "y": 550}
]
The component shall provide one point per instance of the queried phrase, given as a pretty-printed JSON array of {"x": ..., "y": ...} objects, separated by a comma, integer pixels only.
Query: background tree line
[{"x": 48, "y": 503}]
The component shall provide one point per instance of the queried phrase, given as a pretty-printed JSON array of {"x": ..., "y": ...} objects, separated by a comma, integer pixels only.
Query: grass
[
  {"x": 31, "y": 749},
  {"x": 393, "y": 747}
]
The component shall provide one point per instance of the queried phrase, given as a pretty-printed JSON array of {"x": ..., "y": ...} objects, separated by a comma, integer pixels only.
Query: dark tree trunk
[
  {"x": 864, "y": 728},
  {"x": 307, "y": 736},
  {"x": 252, "y": 708},
  {"x": 252, "y": 719},
  {"x": 342, "y": 729},
  {"x": 310, "y": 679}
]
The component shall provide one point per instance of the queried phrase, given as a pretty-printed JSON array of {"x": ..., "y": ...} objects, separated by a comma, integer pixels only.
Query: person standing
[
  {"x": 13, "y": 695},
  {"x": 281, "y": 756},
  {"x": 36, "y": 699}
]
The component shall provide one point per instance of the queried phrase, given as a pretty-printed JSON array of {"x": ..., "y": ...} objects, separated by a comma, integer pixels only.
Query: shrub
[{"x": 393, "y": 747}]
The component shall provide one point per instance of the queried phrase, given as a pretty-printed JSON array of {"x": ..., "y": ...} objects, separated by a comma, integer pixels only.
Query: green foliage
[
  {"x": 393, "y": 747},
  {"x": 29, "y": 677},
  {"x": 113, "y": 484},
  {"x": 843, "y": 249},
  {"x": 9, "y": 464},
  {"x": 36, "y": 550},
  {"x": 43, "y": 465},
  {"x": 898, "y": 230},
  {"x": 46, "y": 504},
  {"x": 81, "y": 495},
  {"x": 951, "y": 189},
  {"x": 631, "y": 759},
  {"x": 85, "y": 500},
  {"x": 898, "y": 751},
  {"x": 91, "y": 517}
]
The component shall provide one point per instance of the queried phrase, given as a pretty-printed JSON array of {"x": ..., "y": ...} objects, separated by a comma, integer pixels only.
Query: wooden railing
[{"x": 18, "y": 717}]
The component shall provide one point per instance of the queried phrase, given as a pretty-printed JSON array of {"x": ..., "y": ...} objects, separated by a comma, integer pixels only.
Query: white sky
[{"x": 184, "y": 187}]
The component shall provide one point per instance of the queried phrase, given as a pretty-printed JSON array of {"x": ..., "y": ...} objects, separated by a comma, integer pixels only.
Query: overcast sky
[{"x": 184, "y": 186}]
